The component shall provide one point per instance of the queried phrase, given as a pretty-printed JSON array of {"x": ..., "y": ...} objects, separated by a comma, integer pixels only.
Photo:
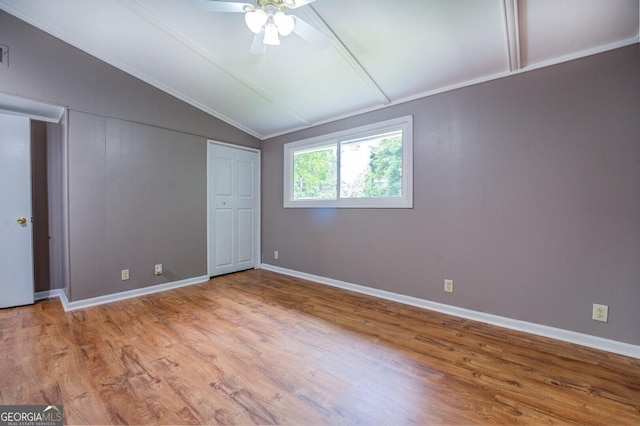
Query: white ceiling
[{"x": 382, "y": 52}]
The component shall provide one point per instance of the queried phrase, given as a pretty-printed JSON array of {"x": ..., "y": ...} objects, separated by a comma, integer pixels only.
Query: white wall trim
[
  {"x": 48, "y": 294},
  {"x": 94, "y": 301},
  {"x": 595, "y": 342},
  {"x": 34, "y": 109},
  {"x": 234, "y": 146}
]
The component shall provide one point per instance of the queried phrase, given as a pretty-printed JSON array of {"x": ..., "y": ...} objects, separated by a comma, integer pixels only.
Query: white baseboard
[
  {"x": 595, "y": 342},
  {"x": 94, "y": 301},
  {"x": 49, "y": 294}
]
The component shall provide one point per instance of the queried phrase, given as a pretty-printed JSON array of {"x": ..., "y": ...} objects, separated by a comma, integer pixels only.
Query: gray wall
[
  {"x": 137, "y": 197},
  {"x": 136, "y": 167},
  {"x": 527, "y": 195}
]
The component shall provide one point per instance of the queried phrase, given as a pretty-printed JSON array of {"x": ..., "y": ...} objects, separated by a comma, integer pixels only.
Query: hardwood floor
[{"x": 259, "y": 347}]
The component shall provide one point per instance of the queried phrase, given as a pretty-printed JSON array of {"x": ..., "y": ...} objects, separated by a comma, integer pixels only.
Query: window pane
[
  {"x": 315, "y": 173},
  {"x": 371, "y": 167}
]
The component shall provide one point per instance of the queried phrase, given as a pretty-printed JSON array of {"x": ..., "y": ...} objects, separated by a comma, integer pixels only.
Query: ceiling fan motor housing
[
  {"x": 270, "y": 17},
  {"x": 280, "y": 5}
]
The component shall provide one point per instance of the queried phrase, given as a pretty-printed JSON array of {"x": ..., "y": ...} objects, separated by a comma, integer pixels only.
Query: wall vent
[{"x": 4, "y": 55}]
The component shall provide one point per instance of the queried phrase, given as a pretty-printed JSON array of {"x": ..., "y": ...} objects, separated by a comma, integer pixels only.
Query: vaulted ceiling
[{"x": 381, "y": 52}]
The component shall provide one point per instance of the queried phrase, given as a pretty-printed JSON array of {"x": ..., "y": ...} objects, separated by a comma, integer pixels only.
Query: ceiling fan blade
[
  {"x": 257, "y": 46},
  {"x": 298, "y": 3},
  {"x": 220, "y": 6},
  {"x": 311, "y": 34}
]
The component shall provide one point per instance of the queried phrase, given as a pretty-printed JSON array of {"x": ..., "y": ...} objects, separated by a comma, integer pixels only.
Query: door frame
[
  {"x": 258, "y": 228},
  {"x": 55, "y": 114}
]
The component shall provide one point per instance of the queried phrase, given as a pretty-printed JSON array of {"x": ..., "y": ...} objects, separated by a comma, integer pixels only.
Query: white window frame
[{"x": 405, "y": 201}]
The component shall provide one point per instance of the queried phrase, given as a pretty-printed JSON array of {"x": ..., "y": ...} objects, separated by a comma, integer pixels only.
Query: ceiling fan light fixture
[
  {"x": 284, "y": 23},
  {"x": 255, "y": 20},
  {"x": 271, "y": 35}
]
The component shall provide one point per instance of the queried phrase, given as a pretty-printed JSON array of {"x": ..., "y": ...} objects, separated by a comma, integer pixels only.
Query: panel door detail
[{"x": 234, "y": 210}]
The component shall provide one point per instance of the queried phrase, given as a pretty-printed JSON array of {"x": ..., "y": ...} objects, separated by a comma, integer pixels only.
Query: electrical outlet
[
  {"x": 124, "y": 274},
  {"x": 448, "y": 286},
  {"x": 600, "y": 312},
  {"x": 276, "y": 255},
  {"x": 158, "y": 269}
]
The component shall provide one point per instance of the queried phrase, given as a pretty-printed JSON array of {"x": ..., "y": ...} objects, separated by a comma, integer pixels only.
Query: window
[{"x": 366, "y": 167}]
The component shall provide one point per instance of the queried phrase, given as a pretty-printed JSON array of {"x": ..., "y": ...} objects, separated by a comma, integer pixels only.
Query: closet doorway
[
  {"x": 31, "y": 177},
  {"x": 233, "y": 187}
]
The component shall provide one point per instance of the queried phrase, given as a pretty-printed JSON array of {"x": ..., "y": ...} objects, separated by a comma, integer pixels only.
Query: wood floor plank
[{"x": 262, "y": 348}]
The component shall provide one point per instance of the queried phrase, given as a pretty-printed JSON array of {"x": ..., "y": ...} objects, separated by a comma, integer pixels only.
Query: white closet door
[
  {"x": 234, "y": 208},
  {"x": 16, "y": 252}
]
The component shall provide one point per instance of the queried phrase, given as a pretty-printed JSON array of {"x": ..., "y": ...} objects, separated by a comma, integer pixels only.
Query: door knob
[{"x": 22, "y": 220}]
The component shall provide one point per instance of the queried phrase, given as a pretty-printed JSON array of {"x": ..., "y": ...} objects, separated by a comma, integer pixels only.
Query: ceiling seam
[
  {"x": 512, "y": 30},
  {"x": 184, "y": 40},
  {"x": 113, "y": 61},
  {"x": 348, "y": 56},
  {"x": 514, "y": 53},
  {"x": 467, "y": 83}
]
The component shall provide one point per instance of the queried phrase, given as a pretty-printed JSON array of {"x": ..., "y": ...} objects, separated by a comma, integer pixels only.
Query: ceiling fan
[{"x": 268, "y": 20}]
